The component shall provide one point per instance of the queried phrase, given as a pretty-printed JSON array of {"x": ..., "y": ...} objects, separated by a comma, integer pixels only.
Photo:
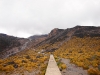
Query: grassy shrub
[
  {"x": 23, "y": 61},
  {"x": 8, "y": 68},
  {"x": 83, "y": 52},
  {"x": 93, "y": 71},
  {"x": 43, "y": 69},
  {"x": 63, "y": 66},
  {"x": 1, "y": 61}
]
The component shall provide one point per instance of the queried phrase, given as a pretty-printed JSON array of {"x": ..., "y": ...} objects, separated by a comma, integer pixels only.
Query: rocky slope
[
  {"x": 35, "y": 39},
  {"x": 58, "y": 36},
  {"x": 50, "y": 42},
  {"x": 10, "y": 45},
  {"x": 80, "y": 44}
]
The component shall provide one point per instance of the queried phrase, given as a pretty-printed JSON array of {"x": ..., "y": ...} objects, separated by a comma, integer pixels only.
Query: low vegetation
[
  {"x": 61, "y": 65},
  {"x": 28, "y": 60},
  {"x": 84, "y": 52}
]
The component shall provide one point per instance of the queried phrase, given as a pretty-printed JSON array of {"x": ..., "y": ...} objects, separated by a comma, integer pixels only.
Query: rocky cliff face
[{"x": 55, "y": 32}]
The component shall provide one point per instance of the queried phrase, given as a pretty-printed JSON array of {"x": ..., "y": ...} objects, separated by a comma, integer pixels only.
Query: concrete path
[{"x": 52, "y": 68}]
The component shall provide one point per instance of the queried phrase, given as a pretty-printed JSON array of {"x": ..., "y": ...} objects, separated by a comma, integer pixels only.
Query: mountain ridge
[
  {"x": 55, "y": 38},
  {"x": 80, "y": 45},
  {"x": 10, "y": 45},
  {"x": 66, "y": 34}
]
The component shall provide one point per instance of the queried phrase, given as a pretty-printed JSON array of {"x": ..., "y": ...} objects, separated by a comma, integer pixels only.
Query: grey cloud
[{"x": 28, "y": 17}]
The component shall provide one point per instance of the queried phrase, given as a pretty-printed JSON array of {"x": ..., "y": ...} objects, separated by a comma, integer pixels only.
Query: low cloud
[{"x": 24, "y": 18}]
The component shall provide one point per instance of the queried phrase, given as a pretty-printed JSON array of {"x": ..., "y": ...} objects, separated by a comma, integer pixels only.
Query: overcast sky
[{"x": 24, "y": 18}]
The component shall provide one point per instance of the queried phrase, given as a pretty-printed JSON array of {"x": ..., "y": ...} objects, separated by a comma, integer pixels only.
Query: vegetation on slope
[
  {"x": 28, "y": 60},
  {"x": 61, "y": 65},
  {"x": 84, "y": 52}
]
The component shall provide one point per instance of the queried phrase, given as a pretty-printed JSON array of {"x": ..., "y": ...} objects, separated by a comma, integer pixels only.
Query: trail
[
  {"x": 52, "y": 68},
  {"x": 72, "y": 69}
]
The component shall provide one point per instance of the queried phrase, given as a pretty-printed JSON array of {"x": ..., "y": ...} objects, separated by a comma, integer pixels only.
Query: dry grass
[
  {"x": 84, "y": 52},
  {"x": 28, "y": 60}
]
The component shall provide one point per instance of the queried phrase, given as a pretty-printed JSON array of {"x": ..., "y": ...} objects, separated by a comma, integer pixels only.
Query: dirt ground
[{"x": 72, "y": 69}]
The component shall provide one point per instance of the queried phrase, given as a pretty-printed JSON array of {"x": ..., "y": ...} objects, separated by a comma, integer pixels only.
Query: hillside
[
  {"x": 35, "y": 39},
  {"x": 80, "y": 44},
  {"x": 63, "y": 35},
  {"x": 8, "y": 42},
  {"x": 10, "y": 45}
]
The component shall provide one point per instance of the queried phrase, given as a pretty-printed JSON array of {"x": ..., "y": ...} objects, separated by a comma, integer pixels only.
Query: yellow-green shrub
[
  {"x": 93, "y": 71},
  {"x": 63, "y": 66},
  {"x": 8, "y": 68}
]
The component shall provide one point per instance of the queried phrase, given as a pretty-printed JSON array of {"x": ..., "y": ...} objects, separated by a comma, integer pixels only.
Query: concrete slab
[{"x": 52, "y": 68}]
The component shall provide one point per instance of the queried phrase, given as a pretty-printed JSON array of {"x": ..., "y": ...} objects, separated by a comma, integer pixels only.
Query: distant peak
[{"x": 55, "y": 31}]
